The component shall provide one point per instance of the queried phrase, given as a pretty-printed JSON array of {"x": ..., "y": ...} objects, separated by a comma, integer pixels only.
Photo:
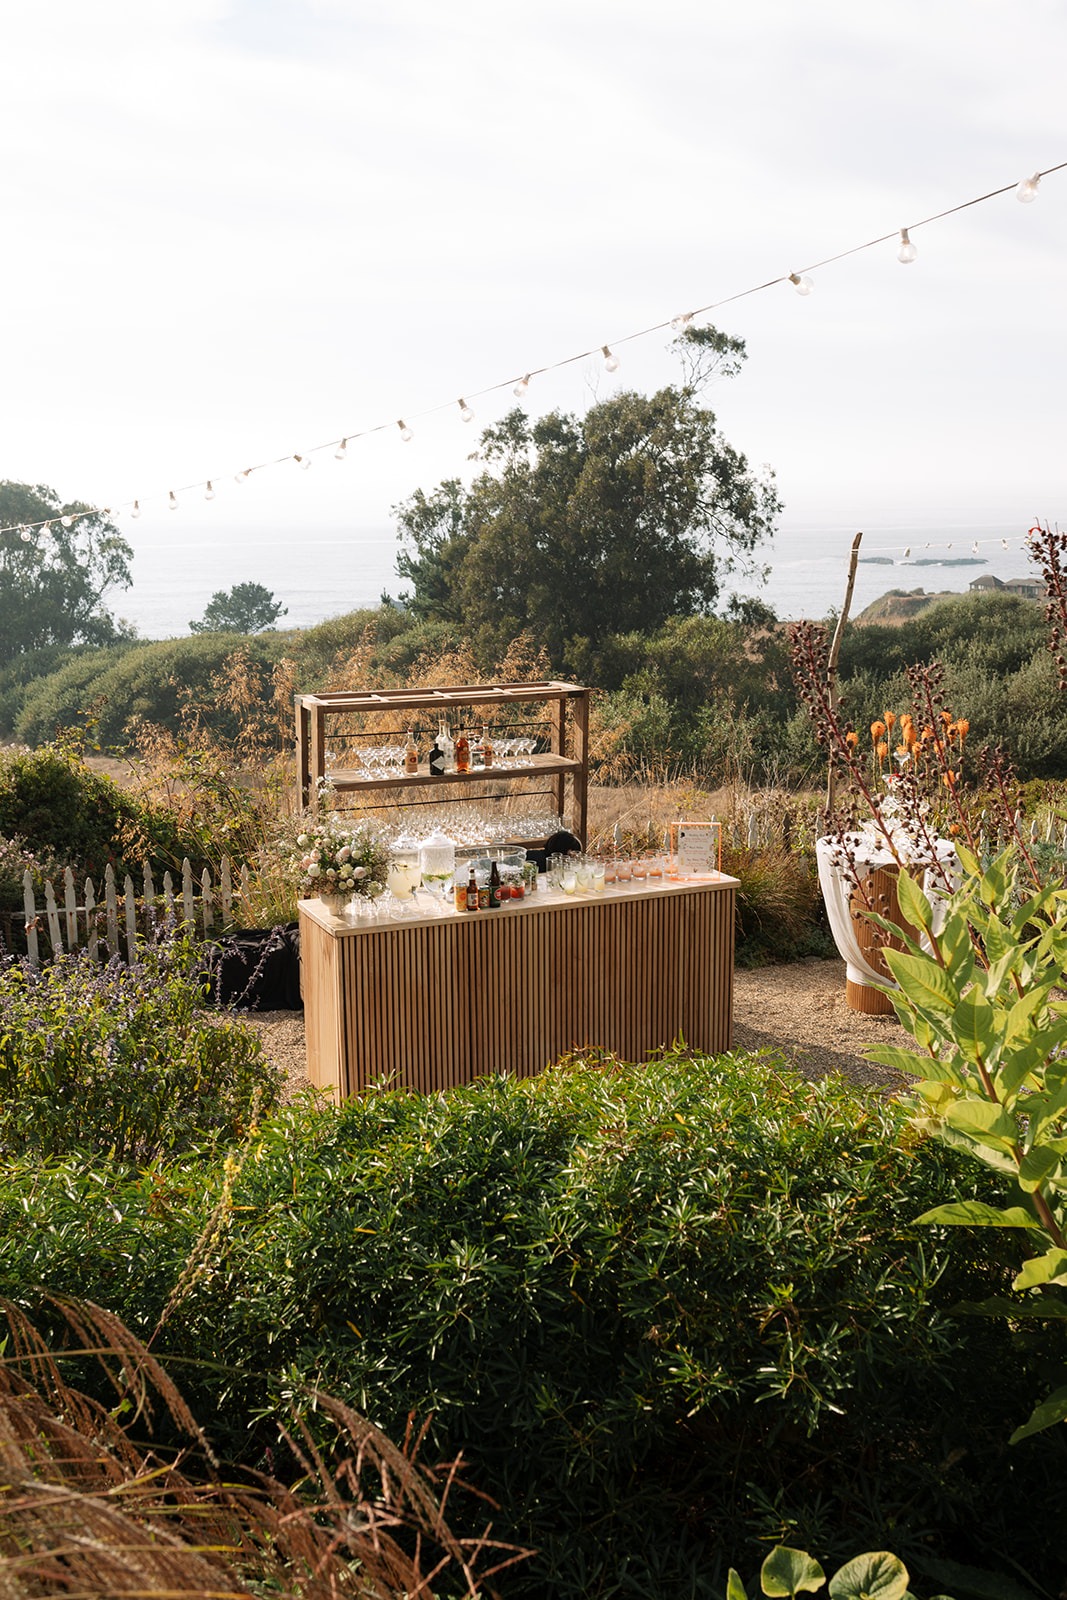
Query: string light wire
[{"x": 520, "y": 384}]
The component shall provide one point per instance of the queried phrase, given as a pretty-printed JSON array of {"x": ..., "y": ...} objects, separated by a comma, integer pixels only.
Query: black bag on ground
[{"x": 258, "y": 969}]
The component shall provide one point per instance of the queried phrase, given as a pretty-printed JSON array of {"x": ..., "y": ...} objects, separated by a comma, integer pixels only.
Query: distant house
[
  {"x": 1025, "y": 588},
  {"x": 1029, "y": 588}
]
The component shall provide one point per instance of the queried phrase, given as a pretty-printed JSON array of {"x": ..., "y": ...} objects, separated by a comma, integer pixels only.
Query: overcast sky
[{"x": 238, "y": 229}]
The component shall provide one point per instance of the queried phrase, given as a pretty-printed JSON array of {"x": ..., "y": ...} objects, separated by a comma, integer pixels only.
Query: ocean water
[{"x": 320, "y": 576}]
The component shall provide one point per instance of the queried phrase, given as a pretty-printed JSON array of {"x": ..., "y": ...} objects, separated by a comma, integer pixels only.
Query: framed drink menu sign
[{"x": 696, "y": 848}]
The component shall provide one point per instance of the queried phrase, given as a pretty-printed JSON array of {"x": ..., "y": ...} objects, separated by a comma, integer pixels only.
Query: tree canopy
[
  {"x": 246, "y": 608},
  {"x": 581, "y": 528},
  {"x": 53, "y": 580}
]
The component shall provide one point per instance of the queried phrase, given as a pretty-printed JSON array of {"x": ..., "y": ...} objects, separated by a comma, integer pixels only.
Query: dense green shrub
[
  {"x": 671, "y": 1314},
  {"x": 59, "y": 807},
  {"x": 121, "y": 1061},
  {"x": 147, "y": 682}
]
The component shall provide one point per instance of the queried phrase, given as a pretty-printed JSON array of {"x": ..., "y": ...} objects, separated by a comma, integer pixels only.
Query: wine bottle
[
  {"x": 411, "y": 755},
  {"x": 487, "y": 748},
  {"x": 472, "y": 893},
  {"x": 463, "y": 754},
  {"x": 494, "y": 887},
  {"x": 448, "y": 749}
]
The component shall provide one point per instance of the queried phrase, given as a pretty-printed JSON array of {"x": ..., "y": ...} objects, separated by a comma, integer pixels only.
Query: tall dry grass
[{"x": 86, "y": 1512}]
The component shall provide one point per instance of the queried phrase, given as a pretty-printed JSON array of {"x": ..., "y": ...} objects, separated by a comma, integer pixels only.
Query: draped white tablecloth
[{"x": 866, "y": 853}]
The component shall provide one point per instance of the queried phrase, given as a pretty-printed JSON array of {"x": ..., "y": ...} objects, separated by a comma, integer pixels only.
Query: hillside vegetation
[{"x": 700, "y": 695}]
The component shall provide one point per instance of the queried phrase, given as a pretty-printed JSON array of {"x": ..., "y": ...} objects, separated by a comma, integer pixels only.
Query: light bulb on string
[
  {"x": 681, "y": 321},
  {"x": 405, "y": 431},
  {"x": 25, "y": 535},
  {"x": 974, "y": 548},
  {"x": 209, "y": 490},
  {"x": 68, "y": 522},
  {"x": 801, "y": 285},
  {"x": 172, "y": 502},
  {"x": 303, "y": 462},
  {"x": 611, "y": 361},
  {"x": 342, "y": 451},
  {"x": 1004, "y": 542},
  {"x": 521, "y": 387},
  {"x": 464, "y": 410},
  {"x": 243, "y": 477},
  {"x": 1027, "y": 189},
  {"x": 907, "y": 251},
  {"x": 907, "y": 552},
  {"x": 135, "y": 510}
]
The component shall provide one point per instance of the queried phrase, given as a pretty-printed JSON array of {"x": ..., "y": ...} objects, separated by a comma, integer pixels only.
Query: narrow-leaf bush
[{"x": 671, "y": 1314}]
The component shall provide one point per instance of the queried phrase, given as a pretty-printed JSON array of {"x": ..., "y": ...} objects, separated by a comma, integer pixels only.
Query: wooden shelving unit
[{"x": 565, "y": 728}]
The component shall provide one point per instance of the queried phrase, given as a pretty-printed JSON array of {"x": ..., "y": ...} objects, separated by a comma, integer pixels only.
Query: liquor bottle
[
  {"x": 448, "y": 749},
  {"x": 487, "y": 747},
  {"x": 411, "y": 755},
  {"x": 477, "y": 754},
  {"x": 494, "y": 887},
  {"x": 463, "y": 754},
  {"x": 437, "y": 759},
  {"x": 472, "y": 893}
]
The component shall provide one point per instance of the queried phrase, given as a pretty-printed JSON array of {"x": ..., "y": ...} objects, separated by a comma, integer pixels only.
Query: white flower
[
  {"x": 344, "y": 852},
  {"x": 359, "y": 872},
  {"x": 331, "y": 872},
  {"x": 301, "y": 838}
]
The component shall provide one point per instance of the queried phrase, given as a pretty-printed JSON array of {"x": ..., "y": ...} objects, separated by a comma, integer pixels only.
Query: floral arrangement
[{"x": 329, "y": 856}]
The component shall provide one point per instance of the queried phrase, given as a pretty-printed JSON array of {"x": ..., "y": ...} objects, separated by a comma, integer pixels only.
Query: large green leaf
[
  {"x": 1036, "y": 1166},
  {"x": 974, "y": 1028},
  {"x": 1037, "y": 1308},
  {"x": 735, "y": 1589},
  {"x": 874, "y": 1576},
  {"x": 1048, "y": 1268},
  {"x": 891, "y": 1055},
  {"x": 975, "y": 1214},
  {"x": 1050, "y": 1411},
  {"x": 984, "y": 1121},
  {"x": 914, "y": 906},
  {"x": 786, "y": 1572},
  {"x": 925, "y": 984}
]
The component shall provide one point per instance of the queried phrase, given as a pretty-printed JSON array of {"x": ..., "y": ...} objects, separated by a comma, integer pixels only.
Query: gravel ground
[{"x": 797, "y": 1009}]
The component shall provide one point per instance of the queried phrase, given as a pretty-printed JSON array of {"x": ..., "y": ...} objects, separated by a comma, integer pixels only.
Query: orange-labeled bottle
[
  {"x": 472, "y": 893},
  {"x": 487, "y": 748},
  {"x": 463, "y": 754}
]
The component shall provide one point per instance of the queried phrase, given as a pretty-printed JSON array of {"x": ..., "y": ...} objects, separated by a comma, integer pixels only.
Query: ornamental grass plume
[{"x": 88, "y": 1510}]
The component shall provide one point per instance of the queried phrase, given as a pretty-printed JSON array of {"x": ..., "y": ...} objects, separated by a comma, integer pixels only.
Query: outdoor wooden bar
[{"x": 436, "y": 1000}]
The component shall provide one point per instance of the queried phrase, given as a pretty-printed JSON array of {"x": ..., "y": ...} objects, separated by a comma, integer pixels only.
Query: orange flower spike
[
  {"x": 963, "y": 728},
  {"x": 877, "y": 731},
  {"x": 949, "y": 779},
  {"x": 881, "y": 750},
  {"x": 915, "y": 748},
  {"x": 928, "y": 733},
  {"x": 890, "y": 718},
  {"x": 852, "y": 740},
  {"x": 946, "y": 717}
]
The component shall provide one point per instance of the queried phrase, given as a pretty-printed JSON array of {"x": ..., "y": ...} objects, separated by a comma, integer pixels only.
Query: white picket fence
[{"x": 120, "y": 919}]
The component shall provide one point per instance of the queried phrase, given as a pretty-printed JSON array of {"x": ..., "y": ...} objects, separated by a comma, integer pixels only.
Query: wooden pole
[{"x": 831, "y": 666}]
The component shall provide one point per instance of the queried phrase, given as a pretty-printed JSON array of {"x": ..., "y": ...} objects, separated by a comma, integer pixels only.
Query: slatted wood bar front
[{"x": 437, "y": 1001}]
